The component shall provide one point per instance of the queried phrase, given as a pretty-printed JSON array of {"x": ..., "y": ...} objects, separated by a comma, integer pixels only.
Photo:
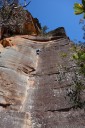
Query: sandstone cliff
[
  {"x": 16, "y": 26},
  {"x": 35, "y": 73}
]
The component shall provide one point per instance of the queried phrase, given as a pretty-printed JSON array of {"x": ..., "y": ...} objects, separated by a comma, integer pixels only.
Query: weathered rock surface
[
  {"x": 34, "y": 78},
  {"x": 31, "y": 26}
]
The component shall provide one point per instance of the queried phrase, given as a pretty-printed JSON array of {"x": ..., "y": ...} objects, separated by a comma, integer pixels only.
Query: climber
[{"x": 38, "y": 51}]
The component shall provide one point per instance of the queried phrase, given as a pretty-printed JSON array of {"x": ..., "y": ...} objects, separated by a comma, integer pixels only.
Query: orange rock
[
  {"x": 30, "y": 27},
  {"x": 6, "y": 42}
]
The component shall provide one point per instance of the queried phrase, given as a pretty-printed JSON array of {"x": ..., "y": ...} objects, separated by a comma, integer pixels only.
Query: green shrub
[{"x": 74, "y": 94}]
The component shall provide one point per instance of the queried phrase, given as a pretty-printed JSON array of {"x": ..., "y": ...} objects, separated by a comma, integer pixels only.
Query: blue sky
[{"x": 58, "y": 13}]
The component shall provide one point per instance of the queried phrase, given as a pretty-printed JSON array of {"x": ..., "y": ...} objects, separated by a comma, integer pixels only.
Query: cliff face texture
[
  {"x": 29, "y": 25},
  {"x": 35, "y": 73}
]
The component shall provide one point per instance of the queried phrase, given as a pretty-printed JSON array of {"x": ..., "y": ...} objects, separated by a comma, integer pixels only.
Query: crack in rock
[
  {"x": 61, "y": 110},
  {"x": 4, "y": 105}
]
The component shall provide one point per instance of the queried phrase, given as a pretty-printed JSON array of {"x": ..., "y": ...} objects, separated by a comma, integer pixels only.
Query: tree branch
[{"x": 26, "y": 4}]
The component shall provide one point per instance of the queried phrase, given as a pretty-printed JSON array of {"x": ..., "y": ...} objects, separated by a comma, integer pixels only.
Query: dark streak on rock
[
  {"x": 27, "y": 70},
  {"x": 43, "y": 39},
  {"x": 4, "y": 105},
  {"x": 61, "y": 110}
]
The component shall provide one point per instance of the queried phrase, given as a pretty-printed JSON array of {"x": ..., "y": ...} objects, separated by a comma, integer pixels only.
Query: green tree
[
  {"x": 79, "y": 8},
  {"x": 44, "y": 29}
]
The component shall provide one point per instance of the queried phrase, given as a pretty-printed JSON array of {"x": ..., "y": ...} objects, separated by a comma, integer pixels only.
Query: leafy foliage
[
  {"x": 74, "y": 93},
  {"x": 79, "y": 8},
  {"x": 80, "y": 57},
  {"x": 77, "y": 87},
  {"x": 63, "y": 54}
]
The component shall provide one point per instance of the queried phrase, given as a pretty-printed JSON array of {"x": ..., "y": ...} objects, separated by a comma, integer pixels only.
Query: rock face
[
  {"x": 31, "y": 26},
  {"x": 35, "y": 73}
]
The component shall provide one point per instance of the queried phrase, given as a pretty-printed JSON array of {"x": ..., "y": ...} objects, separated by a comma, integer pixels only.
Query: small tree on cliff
[{"x": 12, "y": 15}]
